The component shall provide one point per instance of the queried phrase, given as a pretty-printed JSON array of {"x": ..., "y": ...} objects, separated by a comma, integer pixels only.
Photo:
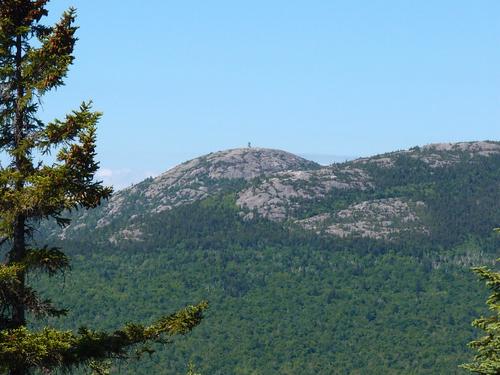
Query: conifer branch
[
  {"x": 50, "y": 348},
  {"x": 34, "y": 59},
  {"x": 487, "y": 359}
]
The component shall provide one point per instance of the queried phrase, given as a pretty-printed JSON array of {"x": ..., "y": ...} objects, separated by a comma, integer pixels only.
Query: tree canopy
[
  {"x": 34, "y": 59},
  {"x": 487, "y": 359}
]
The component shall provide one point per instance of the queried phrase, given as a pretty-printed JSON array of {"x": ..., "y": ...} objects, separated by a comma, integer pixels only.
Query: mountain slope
[
  {"x": 282, "y": 301},
  {"x": 355, "y": 268},
  {"x": 189, "y": 182},
  {"x": 386, "y": 196}
]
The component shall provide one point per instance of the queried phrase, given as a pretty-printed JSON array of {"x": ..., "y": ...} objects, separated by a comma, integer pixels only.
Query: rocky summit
[
  {"x": 381, "y": 197},
  {"x": 309, "y": 269}
]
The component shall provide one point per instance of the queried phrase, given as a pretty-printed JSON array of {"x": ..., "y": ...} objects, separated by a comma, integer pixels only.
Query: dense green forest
[
  {"x": 360, "y": 267},
  {"x": 283, "y": 300},
  {"x": 290, "y": 301}
]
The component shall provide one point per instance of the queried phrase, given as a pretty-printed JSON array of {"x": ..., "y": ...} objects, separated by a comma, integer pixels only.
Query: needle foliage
[
  {"x": 35, "y": 186},
  {"x": 487, "y": 359}
]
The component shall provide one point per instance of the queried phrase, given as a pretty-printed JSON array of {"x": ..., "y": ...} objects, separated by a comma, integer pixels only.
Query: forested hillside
[{"x": 354, "y": 268}]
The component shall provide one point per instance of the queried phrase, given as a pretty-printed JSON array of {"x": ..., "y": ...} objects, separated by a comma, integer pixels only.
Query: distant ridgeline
[{"x": 354, "y": 268}]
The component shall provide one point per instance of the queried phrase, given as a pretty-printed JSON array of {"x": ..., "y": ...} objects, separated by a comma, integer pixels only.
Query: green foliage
[
  {"x": 49, "y": 348},
  {"x": 461, "y": 198},
  {"x": 34, "y": 59},
  {"x": 283, "y": 301},
  {"x": 192, "y": 369},
  {"x": 487, "y": 359},
  {"x": 288, "y": 301}
]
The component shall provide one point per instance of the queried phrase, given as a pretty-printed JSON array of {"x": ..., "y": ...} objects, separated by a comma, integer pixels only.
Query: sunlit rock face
[{"x": 281, "y": 187}]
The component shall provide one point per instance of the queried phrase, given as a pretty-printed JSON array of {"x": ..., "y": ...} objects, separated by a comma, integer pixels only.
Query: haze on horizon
[{"x": 326, "y": 78}]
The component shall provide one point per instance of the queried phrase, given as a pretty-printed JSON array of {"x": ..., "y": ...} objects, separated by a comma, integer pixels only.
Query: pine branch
[
  {"x": 35, "y": 59},
  {"x": 48, "y": 65},
  {"x": 13, "y": 292},
  {"x": 50, "y": 260},
  {"x": 487, "y": 359},
  {"x": 50, "y": 348}
]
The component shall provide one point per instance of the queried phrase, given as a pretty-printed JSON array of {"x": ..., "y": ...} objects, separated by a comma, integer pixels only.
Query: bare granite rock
[
  {"x": 379, "y": 219},
  {"x": 275, "y": 184},
  {"x": 240, "y": 163},
  {"x": 436, "y": 155},
  {"x": 278, "y": 196},
  {"x": 127, "y": 234},
  {"x": 480, "y": 147},
  {"x": 197, "y": 179}
]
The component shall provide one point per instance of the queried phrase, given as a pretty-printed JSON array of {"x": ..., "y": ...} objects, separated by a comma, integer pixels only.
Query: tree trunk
[
  {"x": 19, "y": 242},
  {"x": 18, "y": 250},
  {"x": 18, "y": 253}
]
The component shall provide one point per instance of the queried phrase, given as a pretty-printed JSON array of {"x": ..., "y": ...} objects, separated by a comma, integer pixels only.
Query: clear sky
[{"x": 176, "y": 79}]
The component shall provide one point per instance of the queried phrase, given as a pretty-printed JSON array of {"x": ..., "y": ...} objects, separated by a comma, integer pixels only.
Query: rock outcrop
[
  {"x": 378, "y": 219},
  {"x": 278, "y": 185}
]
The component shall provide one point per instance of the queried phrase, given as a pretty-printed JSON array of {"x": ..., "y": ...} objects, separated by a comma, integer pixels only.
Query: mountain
[
  {"x": 359, "y": 267},
  {"x": 384, "y": 196}
]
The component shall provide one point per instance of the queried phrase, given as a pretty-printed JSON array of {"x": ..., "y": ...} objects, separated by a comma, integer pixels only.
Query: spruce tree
[
  {"x": 34, "y": 59},
  {"x": 487, "y": 359}
]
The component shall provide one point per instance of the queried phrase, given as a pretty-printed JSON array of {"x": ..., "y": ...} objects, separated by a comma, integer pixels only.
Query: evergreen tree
[
  {"x": 487, "y": 360},
  {"x": 34, "y": 59}
]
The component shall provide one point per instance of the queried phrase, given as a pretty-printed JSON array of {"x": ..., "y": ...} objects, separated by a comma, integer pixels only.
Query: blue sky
[{"x": 322, "y": 78}]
